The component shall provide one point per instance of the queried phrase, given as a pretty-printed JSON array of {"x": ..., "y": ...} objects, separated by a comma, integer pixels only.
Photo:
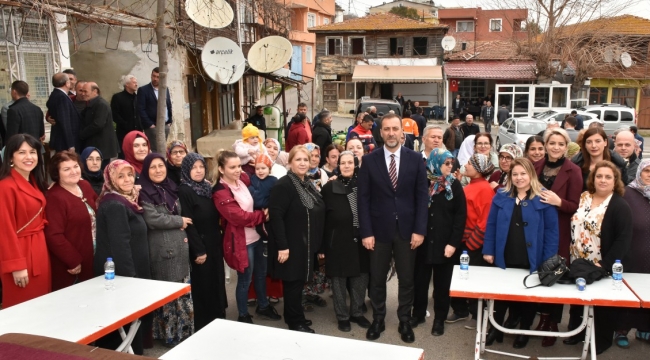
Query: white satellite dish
[
  {"x": 213, "y": 14},
  {"x": 270, "y": 54},
  {"x": 223, "y": 60},
  {"x": 626, "y": 59},
  {"x": 609, "y": 55},
  {"x": 448, "y": 43}
]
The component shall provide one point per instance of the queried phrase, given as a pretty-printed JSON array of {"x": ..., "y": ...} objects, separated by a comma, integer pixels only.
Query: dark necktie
[{"x": 392, "y": 172}]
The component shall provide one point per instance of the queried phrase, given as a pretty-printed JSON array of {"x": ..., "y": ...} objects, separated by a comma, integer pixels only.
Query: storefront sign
[{"x": 328, "y": 76}]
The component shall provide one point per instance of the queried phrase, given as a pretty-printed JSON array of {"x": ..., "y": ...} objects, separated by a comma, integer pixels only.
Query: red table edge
[
  {"x": 540, "y": 299},
  {"x": 644, "y": 304},
  {"x": 109, "y": 329}
]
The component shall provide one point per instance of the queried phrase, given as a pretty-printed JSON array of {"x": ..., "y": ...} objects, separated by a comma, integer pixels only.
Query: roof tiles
[
  {"x": 378, "y": 22},
  {"x": 499, "y": 70},
  {"x": 487, "y": 50}
]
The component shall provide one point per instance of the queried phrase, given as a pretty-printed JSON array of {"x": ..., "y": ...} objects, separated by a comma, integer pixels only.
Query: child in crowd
[
  {"x": 260, "y": 188},
  {"x": 249, "y": 148}
]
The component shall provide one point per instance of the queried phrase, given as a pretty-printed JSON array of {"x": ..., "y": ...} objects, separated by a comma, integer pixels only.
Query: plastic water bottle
[
  {"x": 109, "y": 274},
  {"x": 617, "y": 275},
  {"x": 464, "y": 265}
]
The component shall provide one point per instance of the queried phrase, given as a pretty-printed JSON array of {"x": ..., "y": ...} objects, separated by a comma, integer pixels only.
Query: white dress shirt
[{"x": 387, "y": 155}]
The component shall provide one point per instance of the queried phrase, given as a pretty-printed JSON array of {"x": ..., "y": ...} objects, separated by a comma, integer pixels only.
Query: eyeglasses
[
  {"x": 505, "y": 158},
  {"x": 448, "y": 163},
  {"x": 178, "y": 152}
]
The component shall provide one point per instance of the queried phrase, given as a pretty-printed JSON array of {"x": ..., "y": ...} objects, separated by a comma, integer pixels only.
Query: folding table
[
  {"x": 640, "y": 285},
  {"x": 224, "y": 339},
  {"x": 492, "y": 283},
  {"x": 85, "y": 312}
]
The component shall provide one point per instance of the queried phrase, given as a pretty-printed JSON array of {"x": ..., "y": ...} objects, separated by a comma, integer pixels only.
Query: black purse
[{"x": 550, "y": 271}]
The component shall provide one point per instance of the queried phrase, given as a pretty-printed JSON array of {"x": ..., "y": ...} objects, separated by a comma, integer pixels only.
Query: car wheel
[{"x": 498, "y": 144}]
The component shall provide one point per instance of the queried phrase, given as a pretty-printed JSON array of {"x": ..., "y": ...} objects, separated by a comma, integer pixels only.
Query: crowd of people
[{"x": 316, "y": 216}]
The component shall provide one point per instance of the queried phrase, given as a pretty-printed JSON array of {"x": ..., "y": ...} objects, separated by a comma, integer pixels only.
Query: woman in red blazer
[
  {"x": 70, "y": 212},
  {"x": 562, "y": 180},
  {"x": 24, "y": 261}
]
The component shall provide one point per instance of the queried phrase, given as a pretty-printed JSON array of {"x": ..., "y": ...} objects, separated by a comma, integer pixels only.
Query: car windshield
[
  {"x": 545, "y": 114},
  {"x": 530, "y": 127}
]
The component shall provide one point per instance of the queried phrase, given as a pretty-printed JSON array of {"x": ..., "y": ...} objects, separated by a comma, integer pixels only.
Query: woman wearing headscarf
[
  {"x": 91, "y": 163},
  {"x": 348, "y": 261},
  {"x": 168, "y": 248},
  {"x": 205, "y": 242},
  {"x": 637, "y": 195},
  {"x": 507, "y": 154},
  {"x": 315, "y": 174},
  {"x": 121, "y": 235},
  {"x": 445, "y": 227},
  {"x": 562, "y": 182},
  {"x": 466, "y": 150},
  {"x": 176, "y": 151},
  {"x": 297, "y": 217},
  {"x": 280, "y": 158},
  {"x": 135, "y": 148}
]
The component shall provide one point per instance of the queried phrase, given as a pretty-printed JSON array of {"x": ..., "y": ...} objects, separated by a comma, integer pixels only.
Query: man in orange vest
[{"x": 410, "y": 128}]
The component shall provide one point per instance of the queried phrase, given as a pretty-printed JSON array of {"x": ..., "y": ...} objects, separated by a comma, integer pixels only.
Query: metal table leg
[
  {"x": 590, "y": 334},
  {"x": 127, "y": 339},
  {"x": 480, "y": 327}
]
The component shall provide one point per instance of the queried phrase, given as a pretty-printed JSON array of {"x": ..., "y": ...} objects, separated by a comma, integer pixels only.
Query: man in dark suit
[
  {"x": 97, "y": 123},
  {"x": 487, "y": 114},
  {"x": 124, "y": 106},
  {"x": 393, "y": 197},
  {"x": 458, "y": 106},
  {"x": 420, "y": 120},
  {"x": 64, "y": 116},
  {"x": 503, "y": 114},
  {"x": 23, "y": 117},
  {"x": 148, "y": 108}
]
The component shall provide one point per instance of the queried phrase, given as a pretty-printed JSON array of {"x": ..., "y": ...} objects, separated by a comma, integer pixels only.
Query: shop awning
[{"x": 397, "y": 74}]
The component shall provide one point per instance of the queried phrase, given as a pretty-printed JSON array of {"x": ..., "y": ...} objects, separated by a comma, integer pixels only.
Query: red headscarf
[{"x": 127, "y": 149}]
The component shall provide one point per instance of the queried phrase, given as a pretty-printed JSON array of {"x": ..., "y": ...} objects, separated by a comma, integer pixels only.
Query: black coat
[
  {"x": 97, "y": 128},
  {"x": 96, "y": 182},
  {"x": 65, "y": 133},
  {"x": 345, "y": 255},
  {"x": 126, "y": 117},
  {"x": 173, "y": 172},
  {"x": 445, "y": 225},
  {"x": 23, "y": 117},
  {"x": 321, "y": 135},
  {"x": 295, "y": 228},
  {"x": 579, "y": 160},
  {"x": 615, "y": 232},
  {"x": 122, "y": 235},
  {"x": 204, "y": 237}
]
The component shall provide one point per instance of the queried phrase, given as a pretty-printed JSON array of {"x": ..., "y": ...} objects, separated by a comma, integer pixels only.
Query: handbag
[{"x": 550, "y": 271}]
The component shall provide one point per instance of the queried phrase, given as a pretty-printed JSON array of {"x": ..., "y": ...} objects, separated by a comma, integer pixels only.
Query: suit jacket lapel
[
  {"x": 27, "y": 187},
  {"x": 403, "y": 166}
]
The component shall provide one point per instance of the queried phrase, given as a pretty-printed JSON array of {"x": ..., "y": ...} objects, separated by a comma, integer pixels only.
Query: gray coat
[{"x": 168, "y": 247}]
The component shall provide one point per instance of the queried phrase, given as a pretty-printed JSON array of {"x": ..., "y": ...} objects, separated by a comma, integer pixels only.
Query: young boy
[{"x": 260, "y": 189}]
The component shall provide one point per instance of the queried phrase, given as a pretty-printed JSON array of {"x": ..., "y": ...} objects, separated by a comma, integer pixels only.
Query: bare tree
[{"x": 161, "y": 139}]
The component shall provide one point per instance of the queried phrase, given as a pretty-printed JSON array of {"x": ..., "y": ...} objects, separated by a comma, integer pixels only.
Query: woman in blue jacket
[{"x": 522, "y": 232}]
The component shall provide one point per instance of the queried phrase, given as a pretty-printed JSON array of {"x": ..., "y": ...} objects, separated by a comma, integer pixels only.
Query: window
[
  {"x": 311, "y": 20},
  {"x": 357, "y": 46},
  {"x": 335, "y": 46},
  {"x": 542, "y": 96},
  {"x": 519, "y": 25},
  {"x": 464, "y": 26},
  {"x": 326, "y": 21},
  {"x": 598, "y": 95},
  {"x": 624, "y": 96},
  {"x": 495, "y": 25},
  {"x": 420, "y": 46},
  {"x": 626, "y": 115},
  {"x": 472, "y": 91},
  {"x": 308, "y": 54},
  {"x": 559, "y": 97},
  {"x": 611, "y": 115},
  {"x": 396, "y": 46}
]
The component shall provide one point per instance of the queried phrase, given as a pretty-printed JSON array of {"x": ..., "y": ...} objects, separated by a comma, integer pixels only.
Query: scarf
[
  {"x": 277, "y": 145},
  {"x": 127, "y": 149},
  {"x": 306, "y": 190},
  {"x": 349, "y": 187},
  {"x": 439, "y": 183},
  {"x": 163, "y": 193},
  {"x": 313, "y": 173},
  {"x": 96, "y": 175},
  {"x": 637, "y": 184},
  {"x": 466, "y": 150},
  {"x": 110, "y": 190},
  {"x": 482, "y": 164},
  {"x": 201, "y": 188}
]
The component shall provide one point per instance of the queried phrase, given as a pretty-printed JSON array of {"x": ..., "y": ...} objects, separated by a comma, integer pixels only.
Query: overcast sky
[{"x": 640, "y": 8}]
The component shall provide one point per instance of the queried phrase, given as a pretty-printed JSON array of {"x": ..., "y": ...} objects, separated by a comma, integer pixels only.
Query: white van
[{"x": 613, "y": 116}]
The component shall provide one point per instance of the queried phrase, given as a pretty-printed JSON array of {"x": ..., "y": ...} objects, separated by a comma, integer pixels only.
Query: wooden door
[
  {"x": 330, "y": 97},
  {"x": 643, "y": 115}
]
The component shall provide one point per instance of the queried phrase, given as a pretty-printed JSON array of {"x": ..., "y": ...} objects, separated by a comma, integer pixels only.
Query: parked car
[
  {"x": 382, "y": 105},
  {"x": 518, "y": 130},
  {"x": 613, "y": 116},
  {"x": 559, "y": 115}
]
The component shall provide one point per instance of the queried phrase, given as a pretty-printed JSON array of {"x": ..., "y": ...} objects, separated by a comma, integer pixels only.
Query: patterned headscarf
[
  {"x": 311, "y": 147},
  {"x": 350, "y": 184},
  {"x": 171, "y": 146},
  {"x": 277, "y": 144},
  {"x": 482, "y": 164},
  {"x": 163, "y": 193},
  {"x": 572, "y": 149},
  {"x": 201, "y": 188},
  {"x": 439, "y": 183},
  {"x": 512, "y": 150},
  {"x": 110, "y": 190},
  {"x": 638, "y": 184}
]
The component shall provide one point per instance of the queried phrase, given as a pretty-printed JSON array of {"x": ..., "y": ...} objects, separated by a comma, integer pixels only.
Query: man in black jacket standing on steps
[{"x": 124, "y": 106}]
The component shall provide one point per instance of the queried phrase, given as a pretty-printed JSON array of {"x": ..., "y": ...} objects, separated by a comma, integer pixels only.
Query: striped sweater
[{"x": 478, "y": 195}]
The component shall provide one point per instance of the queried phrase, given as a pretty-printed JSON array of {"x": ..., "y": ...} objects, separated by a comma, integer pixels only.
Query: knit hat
[
  {"x": 572, "y": 149},
  {"x": 264, "y": 159},
  {"x": 512, "y": 150},
  {"x": 482, "y": 164},
  {"x": 249, "y": 131}
]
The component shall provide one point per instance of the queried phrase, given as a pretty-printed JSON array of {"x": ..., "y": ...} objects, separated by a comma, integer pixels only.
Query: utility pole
[{"x": 161, "y": 139}]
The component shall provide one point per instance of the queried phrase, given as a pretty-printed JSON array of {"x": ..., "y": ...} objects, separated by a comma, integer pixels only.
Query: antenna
[
  {"x": 270, "y": 54},
  {"x": 223, "y": 60},
  {"x": 213, "y": 14}
]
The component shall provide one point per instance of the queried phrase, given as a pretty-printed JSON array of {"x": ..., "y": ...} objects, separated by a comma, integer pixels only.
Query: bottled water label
[
  {"x": 109, "y": 275},
  {"x": 617, "y": 276},
  {"x": 464, "y": 267}
]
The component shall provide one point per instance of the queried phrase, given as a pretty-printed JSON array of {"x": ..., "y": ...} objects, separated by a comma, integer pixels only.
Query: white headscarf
[{"x": 466, "y": 150}]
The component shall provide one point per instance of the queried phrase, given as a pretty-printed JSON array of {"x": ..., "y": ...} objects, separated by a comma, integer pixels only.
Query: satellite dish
[
  {"x": 448, "y": 43},
  {"x": 626, "y": 60},
  {"x": 223, "y": 60},
  {"x": 213, "y": 14},
  {"x": 270, "y": 54},
  {"x": 609, "y": 55}
]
